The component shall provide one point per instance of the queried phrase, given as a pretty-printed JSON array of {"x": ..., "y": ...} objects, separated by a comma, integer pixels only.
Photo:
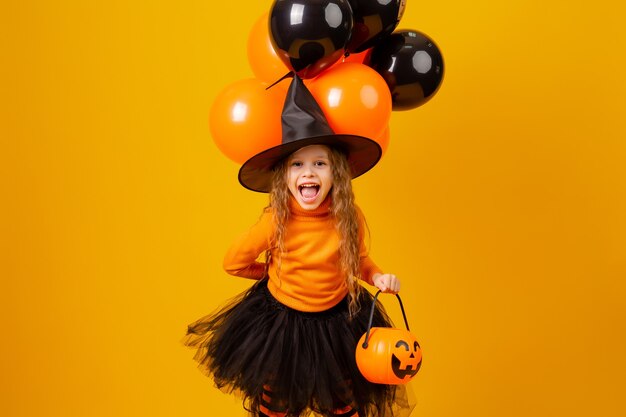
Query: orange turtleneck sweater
[{"x": 310, "y": 277}]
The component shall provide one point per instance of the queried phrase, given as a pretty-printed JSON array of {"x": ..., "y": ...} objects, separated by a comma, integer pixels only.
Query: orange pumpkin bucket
[{"x": 388, "y": 355}]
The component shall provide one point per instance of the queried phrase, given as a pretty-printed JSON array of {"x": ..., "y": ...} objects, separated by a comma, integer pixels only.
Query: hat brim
[{"x": 362, "y": 154}]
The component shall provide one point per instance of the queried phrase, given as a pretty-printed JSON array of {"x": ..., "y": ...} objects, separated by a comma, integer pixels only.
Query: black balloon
[
  {"x": 373, "y": 20},
  {"x": 411, "y": 64},
  {"x": 310, "y": 35}
]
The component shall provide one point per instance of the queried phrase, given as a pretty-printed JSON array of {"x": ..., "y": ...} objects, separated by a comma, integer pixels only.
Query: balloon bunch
[{"x": 355, "y": 65}]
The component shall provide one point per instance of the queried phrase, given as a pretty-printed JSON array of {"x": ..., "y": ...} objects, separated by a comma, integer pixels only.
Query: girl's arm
[
  {"x": 386, "y": 283},
  {"x": 241, "y": 257}
]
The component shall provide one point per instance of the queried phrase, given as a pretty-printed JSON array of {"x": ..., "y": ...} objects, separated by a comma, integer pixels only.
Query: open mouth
[{"x": 309, "y": 191}]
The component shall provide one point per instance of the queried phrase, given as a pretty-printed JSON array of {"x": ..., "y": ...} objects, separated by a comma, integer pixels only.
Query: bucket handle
[{"x": 369, "y": 325}]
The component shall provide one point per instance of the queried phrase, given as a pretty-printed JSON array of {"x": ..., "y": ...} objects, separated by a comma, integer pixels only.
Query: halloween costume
[
  {"x": 311, "y": 240},
  {"x": 288, "y": 343},
  {"x": 282, "y": 335}
]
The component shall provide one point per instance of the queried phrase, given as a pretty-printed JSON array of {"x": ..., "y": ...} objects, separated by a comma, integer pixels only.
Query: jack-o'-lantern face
[
  {"x": 392, "y": 356},
  {"x": 406, "y": 359}
]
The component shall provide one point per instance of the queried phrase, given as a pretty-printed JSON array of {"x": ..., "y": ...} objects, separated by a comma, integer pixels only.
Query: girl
[{"x": 287, "y": 344}]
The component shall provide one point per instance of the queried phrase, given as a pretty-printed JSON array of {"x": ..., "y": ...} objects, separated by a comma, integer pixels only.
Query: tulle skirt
[{"x": 304, "y": 361}]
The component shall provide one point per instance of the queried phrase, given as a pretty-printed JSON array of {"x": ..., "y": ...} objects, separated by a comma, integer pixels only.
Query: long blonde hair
[{"x": 342, "y": 208}]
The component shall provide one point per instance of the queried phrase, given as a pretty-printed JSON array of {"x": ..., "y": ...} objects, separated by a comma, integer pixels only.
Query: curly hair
[{"x": 343, "y": 210}]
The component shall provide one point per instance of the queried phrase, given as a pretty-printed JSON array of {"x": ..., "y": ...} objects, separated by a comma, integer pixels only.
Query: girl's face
[{"x": 309, "y": 176}]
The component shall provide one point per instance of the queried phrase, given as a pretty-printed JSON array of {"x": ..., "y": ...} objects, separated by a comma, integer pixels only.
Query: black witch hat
[{"x": 304, "y": 124}]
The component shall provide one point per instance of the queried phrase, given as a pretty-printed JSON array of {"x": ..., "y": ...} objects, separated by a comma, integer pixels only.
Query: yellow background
[{"x": 500, "y": 203}]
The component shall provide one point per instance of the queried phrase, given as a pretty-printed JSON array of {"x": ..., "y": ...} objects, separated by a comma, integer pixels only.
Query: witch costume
[{"x": 288, "y": 343}]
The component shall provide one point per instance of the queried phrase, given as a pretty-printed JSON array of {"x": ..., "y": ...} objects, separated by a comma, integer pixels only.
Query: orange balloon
[
  {"x": 245, "y": 118},
  {"x": 356, "y": 57},
  {"x": 383, "y": 139},
  {"x": 265, "y": 64},
  {"x": 355, "y": 99}
]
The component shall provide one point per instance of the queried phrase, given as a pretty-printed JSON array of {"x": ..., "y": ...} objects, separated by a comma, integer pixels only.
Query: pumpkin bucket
[{"x": 388, "y": 355}]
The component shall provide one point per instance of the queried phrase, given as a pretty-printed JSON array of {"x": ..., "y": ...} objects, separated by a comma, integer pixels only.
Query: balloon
[
  {"x": 309, "y": 36},
  {"x": 245, "y": 118},
  {"x": 354, "y": 99},
  {"x": 265, "y": 64},
  {"x": 383, "y": 139},
  {"x": 373, "y": 20},
  {"x": 411, "y": 64},
  {"x": 358, "y": 57}
]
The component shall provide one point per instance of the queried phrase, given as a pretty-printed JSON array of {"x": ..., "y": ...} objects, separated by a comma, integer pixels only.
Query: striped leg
[
  {"x": 345, "y": 412},
  {"x": 343, "y": 398},
  {"x": 269, "y": 407}
]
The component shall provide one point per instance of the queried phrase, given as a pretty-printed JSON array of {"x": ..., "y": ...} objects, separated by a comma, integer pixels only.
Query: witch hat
[{"x": 304, "y": 124}]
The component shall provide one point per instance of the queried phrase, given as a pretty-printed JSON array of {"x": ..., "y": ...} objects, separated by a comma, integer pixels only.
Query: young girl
[{"x": 287, "y": 345}]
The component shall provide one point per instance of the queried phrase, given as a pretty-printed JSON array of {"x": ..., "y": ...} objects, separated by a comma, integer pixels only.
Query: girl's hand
[{"x": 386, "y": 283}]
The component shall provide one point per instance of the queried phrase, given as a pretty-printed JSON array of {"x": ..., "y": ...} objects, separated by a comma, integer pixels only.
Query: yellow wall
[{"x": 500, "y": 203}]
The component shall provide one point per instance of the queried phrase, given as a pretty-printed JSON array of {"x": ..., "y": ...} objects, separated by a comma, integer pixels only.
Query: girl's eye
[
  {"x": 296, "y": 164},
  {"x": 320, "y": 163}
]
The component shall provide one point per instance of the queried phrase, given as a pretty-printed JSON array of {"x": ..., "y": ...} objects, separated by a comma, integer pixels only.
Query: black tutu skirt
[{"x": 303, "y": 361}]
